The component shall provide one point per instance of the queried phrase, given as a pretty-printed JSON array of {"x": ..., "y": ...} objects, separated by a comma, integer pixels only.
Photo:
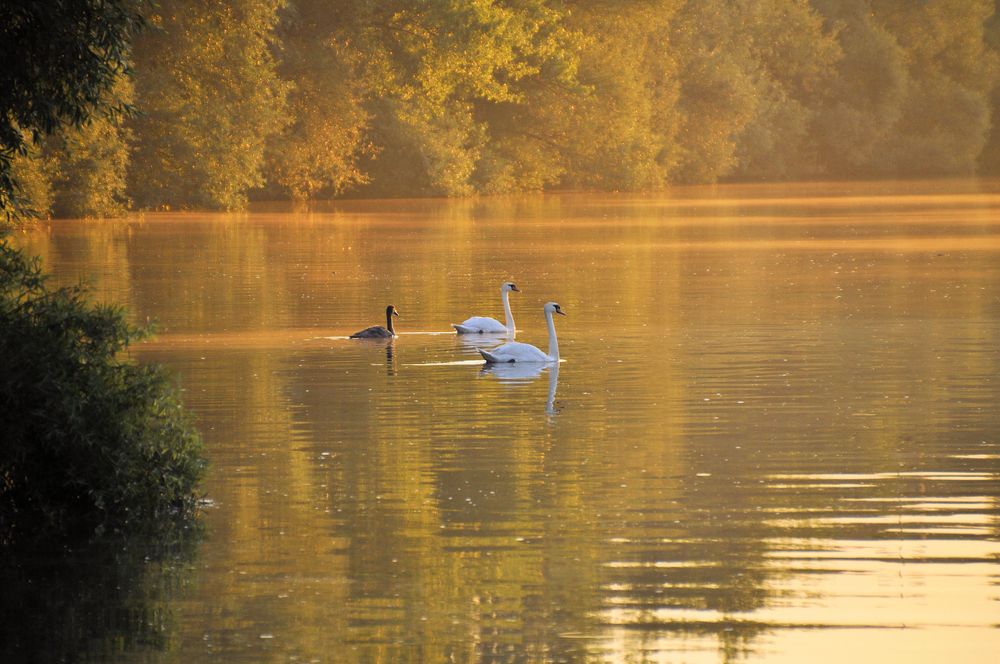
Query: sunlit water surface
[{"x": 775, "y": 434}]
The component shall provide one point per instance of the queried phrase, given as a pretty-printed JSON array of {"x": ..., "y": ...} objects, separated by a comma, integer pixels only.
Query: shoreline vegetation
[
  {"x": 299, "y": 99},
  {"x": 93, "y": 442}
]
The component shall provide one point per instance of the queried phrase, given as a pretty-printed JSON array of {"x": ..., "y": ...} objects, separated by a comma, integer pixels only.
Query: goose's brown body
[{"x": 377, "y": 331}]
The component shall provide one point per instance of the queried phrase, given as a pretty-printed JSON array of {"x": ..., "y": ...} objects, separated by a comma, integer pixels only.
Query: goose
[
  {"x": 377, "y": 331},
  {"x": 516, "y": 351},
  {"x": 483, "y": 324}
]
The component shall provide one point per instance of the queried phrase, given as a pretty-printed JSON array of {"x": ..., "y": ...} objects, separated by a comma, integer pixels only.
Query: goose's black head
[{"x": 391, "y": 311}]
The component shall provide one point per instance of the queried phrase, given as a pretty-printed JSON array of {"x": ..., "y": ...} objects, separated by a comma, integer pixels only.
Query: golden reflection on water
[{"x": 774, "y": 434}]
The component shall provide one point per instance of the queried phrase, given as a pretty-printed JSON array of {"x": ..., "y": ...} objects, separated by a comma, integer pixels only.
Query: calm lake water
[{"x": 774, "y": 436}]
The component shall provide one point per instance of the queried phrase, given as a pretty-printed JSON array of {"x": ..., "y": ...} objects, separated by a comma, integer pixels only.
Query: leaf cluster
[{"x": 60, "y": 57}]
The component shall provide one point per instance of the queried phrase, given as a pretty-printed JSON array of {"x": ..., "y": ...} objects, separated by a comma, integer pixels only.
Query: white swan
[
  {"x": 516, "y": 351},
  {"x": 483, "y": 324}
]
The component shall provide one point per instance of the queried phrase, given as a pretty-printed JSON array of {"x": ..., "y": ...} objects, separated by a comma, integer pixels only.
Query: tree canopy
[
  {"x": 62, "y": 61},
  {"x": 304, "y": 98}
]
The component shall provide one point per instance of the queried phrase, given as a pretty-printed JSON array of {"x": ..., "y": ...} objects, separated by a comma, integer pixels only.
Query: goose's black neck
[{"x": 388, "y": 320}]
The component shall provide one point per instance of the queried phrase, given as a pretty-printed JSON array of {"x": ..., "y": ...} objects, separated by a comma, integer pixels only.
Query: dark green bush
[{"x": 87, "y": 439}]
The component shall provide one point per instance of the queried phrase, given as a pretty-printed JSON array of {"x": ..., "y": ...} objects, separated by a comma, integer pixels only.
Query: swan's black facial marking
[
  {"x": 514, "y": 288},
  {"x": 558, "y": 310}
]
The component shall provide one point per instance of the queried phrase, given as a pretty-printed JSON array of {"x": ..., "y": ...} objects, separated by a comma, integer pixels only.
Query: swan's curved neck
[
  {"x": 505, "y": 296},
  {"x": 388, "y": 322},
  {"x": 553, "y": 344}
]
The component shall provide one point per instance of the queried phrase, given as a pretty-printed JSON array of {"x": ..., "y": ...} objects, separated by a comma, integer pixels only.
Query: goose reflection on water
[
  {"x": 517, "y": 373},
  {"x": 388, "y": 343},
  {"x": 390, "y": 356}
]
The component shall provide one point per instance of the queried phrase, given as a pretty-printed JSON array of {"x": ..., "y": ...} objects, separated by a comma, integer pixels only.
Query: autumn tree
[
  {"x": 305, "y": 98},
  {"x": 210, "y": 97},
  {"x": 989, "y": 159},
  {"x": 437, "y": 69},
  {"x": 61, "y": 61},
  {"x": 318, "y": 151},
  {"x": 794, "y": 56},
  {"x": 945, "y": 115},
  {"x": 911, "y": 94},
  {"x": 621, "y": 134}
]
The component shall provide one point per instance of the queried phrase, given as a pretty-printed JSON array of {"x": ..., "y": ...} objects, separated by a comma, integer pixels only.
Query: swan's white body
[
  {"x": 516, "y": 351},
  {"x": 486, "y": 325}
]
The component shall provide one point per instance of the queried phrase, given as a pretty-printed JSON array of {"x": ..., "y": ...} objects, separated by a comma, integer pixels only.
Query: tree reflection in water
[
  {"x": 776, "y": 422},
  {"x": 92, "y": 600}
]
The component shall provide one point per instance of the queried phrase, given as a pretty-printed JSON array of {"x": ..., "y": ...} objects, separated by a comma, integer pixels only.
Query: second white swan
[
  {"x": 516, "y": 351},
  {"x": 484, "y": 324}
]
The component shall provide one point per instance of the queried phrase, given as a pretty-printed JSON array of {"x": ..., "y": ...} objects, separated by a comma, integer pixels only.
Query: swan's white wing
[
  {"x": 515, "y": 351},
  {"x": 480, "y": 324}
]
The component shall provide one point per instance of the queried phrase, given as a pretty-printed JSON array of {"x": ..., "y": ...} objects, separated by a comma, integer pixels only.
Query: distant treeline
[{"x": 304, "y": 99}]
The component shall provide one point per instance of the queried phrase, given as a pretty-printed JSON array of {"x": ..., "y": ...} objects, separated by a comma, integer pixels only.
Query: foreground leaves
[{"x": 90, "y": 439}]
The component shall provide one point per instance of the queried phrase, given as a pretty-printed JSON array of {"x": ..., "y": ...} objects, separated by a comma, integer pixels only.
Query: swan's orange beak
[{"x": 560, "y": 312}]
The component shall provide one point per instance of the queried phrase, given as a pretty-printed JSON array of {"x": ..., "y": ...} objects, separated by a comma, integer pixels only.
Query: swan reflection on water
[
  {"x": 471, "y": 343},
  {"x": 520, "y": 373}
]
